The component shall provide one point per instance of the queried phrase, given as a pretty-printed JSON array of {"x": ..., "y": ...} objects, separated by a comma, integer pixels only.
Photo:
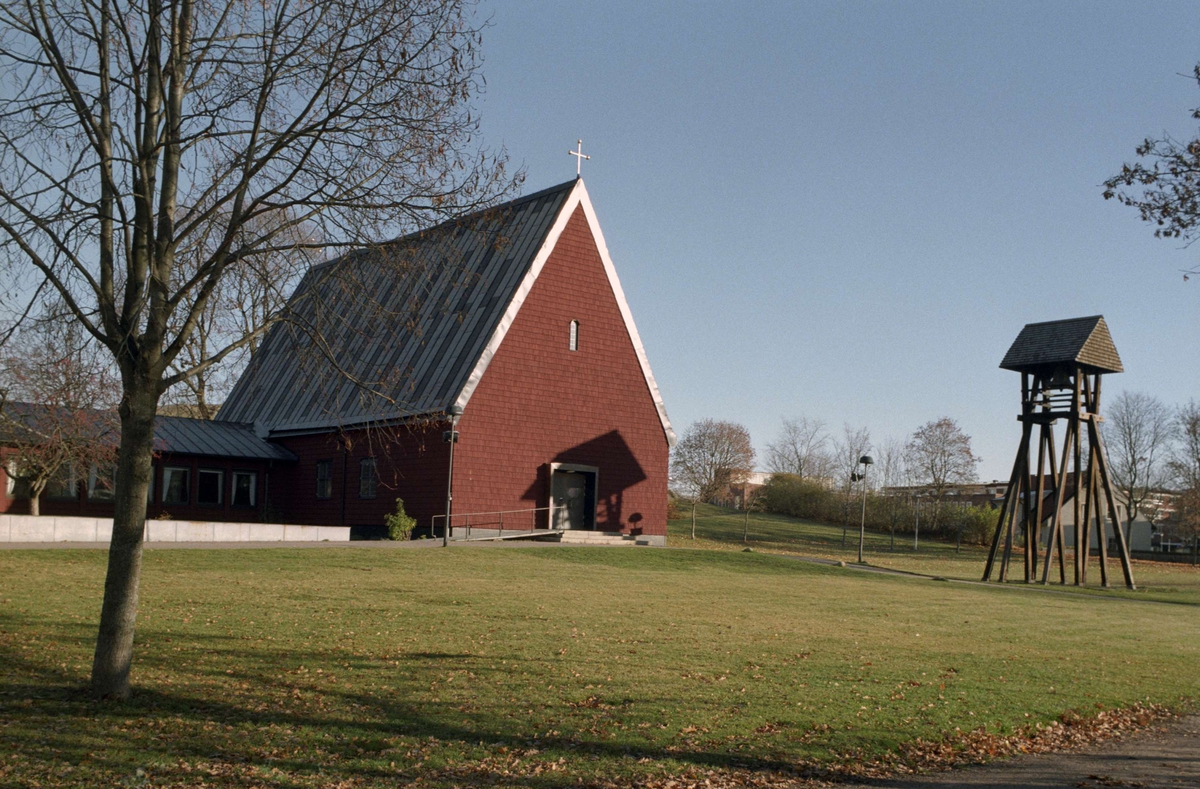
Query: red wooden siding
[
  {"x": 540, "y": 402},
  {"x": 411, "y": 464}
]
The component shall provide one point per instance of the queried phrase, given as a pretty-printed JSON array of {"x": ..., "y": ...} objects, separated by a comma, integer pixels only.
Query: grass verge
[
  {"x": 542, "y": 667},
  {"x": 718, "y": 528}
]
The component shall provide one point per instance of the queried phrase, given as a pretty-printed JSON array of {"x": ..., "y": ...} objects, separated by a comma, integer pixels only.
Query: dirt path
[{"x": 1165, "y": 755}]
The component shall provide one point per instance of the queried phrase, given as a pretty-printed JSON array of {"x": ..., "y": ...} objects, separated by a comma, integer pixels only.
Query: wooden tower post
[{"x": 1061, "y": 363}]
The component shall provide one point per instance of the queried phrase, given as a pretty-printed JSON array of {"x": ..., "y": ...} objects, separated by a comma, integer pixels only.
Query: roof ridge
[
  {"x": 417, "y": 235},
  {"x": 1067, "y": 320}
]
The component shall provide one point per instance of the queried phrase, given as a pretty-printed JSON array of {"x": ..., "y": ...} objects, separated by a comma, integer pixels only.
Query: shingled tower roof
[{"x": 1083, "y": 341}]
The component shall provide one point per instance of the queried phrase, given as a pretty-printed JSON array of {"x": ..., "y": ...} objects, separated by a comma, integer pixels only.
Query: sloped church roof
[{"x": 409, "y": 327}]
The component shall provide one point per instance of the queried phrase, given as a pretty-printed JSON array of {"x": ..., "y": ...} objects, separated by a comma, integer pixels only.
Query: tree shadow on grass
[{"x": 258, "y": 714}]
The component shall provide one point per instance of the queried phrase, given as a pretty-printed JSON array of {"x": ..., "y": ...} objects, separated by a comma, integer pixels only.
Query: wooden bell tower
[{"x": 1061, "y": 363}]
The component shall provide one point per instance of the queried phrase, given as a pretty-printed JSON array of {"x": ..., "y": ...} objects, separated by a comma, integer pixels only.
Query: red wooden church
[{"x": 515, "y": 316}]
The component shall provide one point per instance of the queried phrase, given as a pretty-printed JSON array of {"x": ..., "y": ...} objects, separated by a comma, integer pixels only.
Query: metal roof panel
[{"x": 403, "y": 324}]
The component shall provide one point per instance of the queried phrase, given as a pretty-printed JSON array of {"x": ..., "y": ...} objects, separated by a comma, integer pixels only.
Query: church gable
[
  {"x": 438, "y": 317},
  {"x": 566, "y": 385},
  {"x": 575, "y": 243}
]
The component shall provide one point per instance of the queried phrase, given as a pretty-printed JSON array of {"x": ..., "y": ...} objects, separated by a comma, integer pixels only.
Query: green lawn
[
  {"x": 541, "y": 666},
  {"x": 718, "y": 528}
]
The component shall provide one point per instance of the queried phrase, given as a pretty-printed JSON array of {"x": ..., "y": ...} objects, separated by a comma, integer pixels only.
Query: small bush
[
  {"x": 399, "y": 523},
  {"x": 978, "y": 524},
  {"x": 672, "y": 507}
]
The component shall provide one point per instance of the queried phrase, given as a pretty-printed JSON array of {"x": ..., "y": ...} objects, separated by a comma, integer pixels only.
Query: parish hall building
[{"x": 512, "y": 322}]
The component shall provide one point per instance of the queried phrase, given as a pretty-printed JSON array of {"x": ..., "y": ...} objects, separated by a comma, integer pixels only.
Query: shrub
[
  {"x": 399, "y": 523},
  {"x": 978, "y": 524},
  {"x": 787, "y": 494},
  {"x": 672, "y": 507}
]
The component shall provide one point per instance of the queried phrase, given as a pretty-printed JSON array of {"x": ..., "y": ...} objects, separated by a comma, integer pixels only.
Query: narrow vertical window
[
  {"x": 324, "y": 479},
  {"x": 573, "y": 343},
  {"x": 368, "y": 478}
]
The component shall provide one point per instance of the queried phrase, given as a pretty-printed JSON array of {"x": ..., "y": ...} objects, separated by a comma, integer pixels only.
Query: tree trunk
[
  {"x": 118, "y": 614},
  {"x": 693, "y": 520},
  {"x": 35, "y": 503}
]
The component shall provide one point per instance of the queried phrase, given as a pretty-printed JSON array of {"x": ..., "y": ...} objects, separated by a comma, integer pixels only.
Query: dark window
[
  {"x": 210, "y": 486},
  {"x": 62, "y": 484},
  {"x": 176, "y": 485},
  {"x": 324, "y": 479},
  {"x": 102, "y": 482},
  {"x": 573, "y": 342},
  {"x": 368, "y": 478},
  {"x": 245, "y": 485}
]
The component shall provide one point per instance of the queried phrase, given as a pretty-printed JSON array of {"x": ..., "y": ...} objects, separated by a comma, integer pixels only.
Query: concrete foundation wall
[{"x": 27, "y": 528}]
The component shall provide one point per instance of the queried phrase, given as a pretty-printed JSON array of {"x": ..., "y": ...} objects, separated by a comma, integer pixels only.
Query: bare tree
[
  {"x": 1185, "y": 476},
  {"x": 1185, "y": 473},
  {"x": 709, "y": 457},
  {"x": 941, "y": 456},
  {"x": 133, "y": 136},
  {"x": 1138, "y": 434},
  {"x": 854, "y": 443},
  {"x": 56, "y": 396},
  {"x": 249, "y": 297},
  {"x": 802, "y": 449},
  {"x": 892, "y": 472},
  {"x": 1184, "y": 464}
]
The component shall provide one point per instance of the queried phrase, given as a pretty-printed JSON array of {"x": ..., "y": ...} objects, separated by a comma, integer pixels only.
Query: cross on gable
[{"x": 579, "y": 157}]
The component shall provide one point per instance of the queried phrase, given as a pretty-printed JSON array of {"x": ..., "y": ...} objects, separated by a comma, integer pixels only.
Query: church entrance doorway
[{"x": 573, "y": 496}]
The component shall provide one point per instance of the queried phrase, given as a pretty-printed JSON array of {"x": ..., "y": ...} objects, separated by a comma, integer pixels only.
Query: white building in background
[{"x": 1153, "y": 518}]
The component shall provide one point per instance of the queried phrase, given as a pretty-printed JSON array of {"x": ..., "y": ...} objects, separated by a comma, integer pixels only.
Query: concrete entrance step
[{"x": 581, "y": 537}]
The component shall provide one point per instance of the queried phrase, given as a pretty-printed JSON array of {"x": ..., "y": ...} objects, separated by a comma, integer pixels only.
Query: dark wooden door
[{"x": 569, "y": 491}]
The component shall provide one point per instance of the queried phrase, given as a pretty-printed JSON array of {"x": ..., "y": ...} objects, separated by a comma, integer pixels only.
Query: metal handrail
[{"x": 497, "y": 520}]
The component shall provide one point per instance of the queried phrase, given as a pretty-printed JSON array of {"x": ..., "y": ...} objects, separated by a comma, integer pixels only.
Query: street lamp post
[
  {"x": 451, "y": 438},
  {"x": 864, "y": 461}
]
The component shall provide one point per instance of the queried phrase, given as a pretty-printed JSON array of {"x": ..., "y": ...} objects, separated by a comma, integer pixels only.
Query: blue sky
[{"x": 847, "y": 211}]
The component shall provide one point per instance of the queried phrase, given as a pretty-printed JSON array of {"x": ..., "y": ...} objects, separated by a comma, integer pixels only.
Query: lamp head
[
  {"x": 867, "y": 460},
  {"x": 454, "y": 410}
]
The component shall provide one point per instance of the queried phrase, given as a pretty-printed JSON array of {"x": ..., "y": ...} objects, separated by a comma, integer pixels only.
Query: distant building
[
  {"x": 977, "y": 494},
  {"x": 738, "y": 493},
  {"x": 1151, "y": 528}
]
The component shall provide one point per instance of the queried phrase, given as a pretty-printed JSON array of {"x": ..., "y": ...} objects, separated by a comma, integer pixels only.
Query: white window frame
[
  {"x": 253, "y": 475},
  {"x": 168, "y": 472},
  {"x": 94, "y": 477},
  {"x": 72, "y": 485}
]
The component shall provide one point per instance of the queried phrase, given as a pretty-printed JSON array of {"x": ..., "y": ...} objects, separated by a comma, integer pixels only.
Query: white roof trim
[{"x": 578, "y": 197}]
